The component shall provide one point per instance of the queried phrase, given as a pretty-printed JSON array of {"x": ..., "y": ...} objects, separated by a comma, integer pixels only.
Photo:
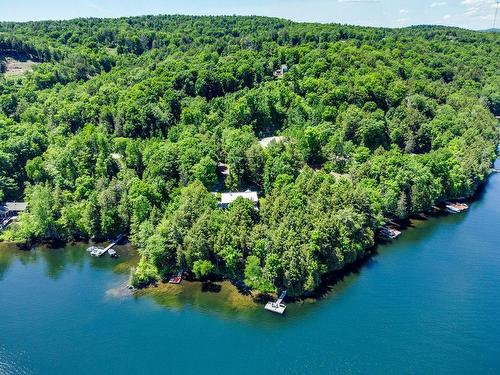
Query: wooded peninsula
[{"x": 143, "y": 125}]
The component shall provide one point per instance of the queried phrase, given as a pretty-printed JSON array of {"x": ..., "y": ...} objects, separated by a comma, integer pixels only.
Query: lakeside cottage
[
  {"x": 9, "y": 209},
  {"x": 227, "y": 198},
  {"x": 9, "y": 212}
]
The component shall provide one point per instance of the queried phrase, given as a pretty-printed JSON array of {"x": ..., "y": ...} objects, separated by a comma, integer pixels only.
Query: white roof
[
  {"x": 13, "y": 206},
  {"x": 264, "y": 142},
  {"x": 226, "y": 198}
]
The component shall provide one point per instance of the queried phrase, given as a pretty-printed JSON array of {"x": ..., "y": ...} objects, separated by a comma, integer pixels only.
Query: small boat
[
  {"x": 277, "y": 307},
  {"x": 389, "y": 232},
  {"x": 97, "y": 252},
  {"x": 176, "y": 279},
  {"x": 112, "y": 253},
  {"x": 452, "y": 209},
  {"x": 456, "y": 208}
]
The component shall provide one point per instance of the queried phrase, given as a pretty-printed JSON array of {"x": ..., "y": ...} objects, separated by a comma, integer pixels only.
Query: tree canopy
[{"x": 124, "y": 125}]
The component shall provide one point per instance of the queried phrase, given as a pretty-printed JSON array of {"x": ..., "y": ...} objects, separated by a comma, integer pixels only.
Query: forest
[{"x": 123, "y": 125}]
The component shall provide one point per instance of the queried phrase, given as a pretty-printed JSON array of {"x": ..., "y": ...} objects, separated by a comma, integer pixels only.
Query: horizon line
[{"x": 242, "y": 15}]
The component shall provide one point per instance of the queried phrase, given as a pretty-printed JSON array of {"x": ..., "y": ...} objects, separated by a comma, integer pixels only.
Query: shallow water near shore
[{"x": 426, "y": 303}]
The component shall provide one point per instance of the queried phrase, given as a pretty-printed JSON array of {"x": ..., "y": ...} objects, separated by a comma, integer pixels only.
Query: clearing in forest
[{"x": 15, "y": 67}]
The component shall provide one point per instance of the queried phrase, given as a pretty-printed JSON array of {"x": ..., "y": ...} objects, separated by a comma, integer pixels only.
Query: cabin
[
  {"x": 227, "y": 198},
  {"x": 10, "y": 209}
]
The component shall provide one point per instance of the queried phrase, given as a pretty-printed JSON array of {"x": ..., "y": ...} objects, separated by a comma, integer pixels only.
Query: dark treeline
[{"x": 121, "y": 126}]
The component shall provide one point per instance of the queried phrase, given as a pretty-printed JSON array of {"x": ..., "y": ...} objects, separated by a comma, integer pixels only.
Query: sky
[{"x": 471, "y": 14}]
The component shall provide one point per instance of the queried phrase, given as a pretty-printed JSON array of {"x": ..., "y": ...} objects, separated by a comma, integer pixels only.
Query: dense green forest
[{"x": 122, "y": 124}]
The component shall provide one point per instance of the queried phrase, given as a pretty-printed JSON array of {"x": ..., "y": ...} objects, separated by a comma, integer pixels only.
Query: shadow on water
[{"x": 210, "y": 287}]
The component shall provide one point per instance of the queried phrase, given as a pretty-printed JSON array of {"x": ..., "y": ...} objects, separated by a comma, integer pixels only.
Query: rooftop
[
  {"x": 227, "y": 198},
  {"x": 13, "y": 206}
]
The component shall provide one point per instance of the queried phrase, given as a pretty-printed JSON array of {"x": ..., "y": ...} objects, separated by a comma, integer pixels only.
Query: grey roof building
[{"x": 12, "y": 208}]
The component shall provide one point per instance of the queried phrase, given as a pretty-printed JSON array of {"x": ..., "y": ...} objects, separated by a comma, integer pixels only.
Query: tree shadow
[
  {"x": 242, "y": 288},
  {"x": 17, "y": 55},
  {"x": 332, "y": 279},
  {"x": 210, "y": 287}
]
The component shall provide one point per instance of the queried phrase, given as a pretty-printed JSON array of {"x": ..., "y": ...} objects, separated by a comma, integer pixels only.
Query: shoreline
[
  {"x": 238, "y": 295},
  {"x": 242, "y": 298},
  {"x": 329, "y": 280}
]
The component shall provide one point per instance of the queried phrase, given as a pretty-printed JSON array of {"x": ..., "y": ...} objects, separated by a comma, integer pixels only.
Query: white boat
[
  {"x": 455, "y": 207},
  {"x": 452, "y": 209},
  {"x": 388, "y": 232},
  {"x": 97, "y": 252}
]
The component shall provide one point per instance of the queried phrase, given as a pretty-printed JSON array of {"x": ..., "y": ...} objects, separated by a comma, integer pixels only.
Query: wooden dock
[{"x": 115, "y": 241}]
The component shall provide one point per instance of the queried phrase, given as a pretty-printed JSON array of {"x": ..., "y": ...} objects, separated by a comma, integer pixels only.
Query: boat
[
  {"x": 455, "y": 208},
  {"x": 97, "y": 252},
  {"x": 112, "y": 253},
  {"x": 176, "y": 279},
  {"x": 277, "y": 307},
  {"x": 452, "y": 209},
  {"x": 389, "y": 232}
]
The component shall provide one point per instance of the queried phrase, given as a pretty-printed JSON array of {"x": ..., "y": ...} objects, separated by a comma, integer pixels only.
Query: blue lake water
[{"x": 426, "y": 303}]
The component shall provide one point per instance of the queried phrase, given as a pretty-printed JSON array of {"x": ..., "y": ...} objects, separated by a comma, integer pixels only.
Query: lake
[{"x": 426, "y": 303}]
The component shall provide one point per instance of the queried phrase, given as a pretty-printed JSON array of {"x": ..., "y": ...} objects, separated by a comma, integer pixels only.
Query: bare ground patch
[{"x": 13, "y": 67}]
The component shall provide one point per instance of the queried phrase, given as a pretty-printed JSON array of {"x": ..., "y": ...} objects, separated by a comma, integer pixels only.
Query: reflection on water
[
  {"x": 72, "y": 256},
  {"x": 219, "y": 298}
]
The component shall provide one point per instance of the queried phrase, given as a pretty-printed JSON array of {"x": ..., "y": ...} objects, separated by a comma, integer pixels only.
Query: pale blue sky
[{"x": 473, "y": 14}]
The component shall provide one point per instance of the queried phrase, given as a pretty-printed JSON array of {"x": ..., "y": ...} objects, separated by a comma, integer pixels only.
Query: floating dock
[
  {"x": 277, "y": 307},
  {"x": 98, "y": 251}
]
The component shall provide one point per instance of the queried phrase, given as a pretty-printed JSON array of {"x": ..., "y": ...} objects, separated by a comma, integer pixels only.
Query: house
[
  {"x": 227, "y": 198},
  {"x": 279, "y": 73},
  {"x": 9, "y": 209}
]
